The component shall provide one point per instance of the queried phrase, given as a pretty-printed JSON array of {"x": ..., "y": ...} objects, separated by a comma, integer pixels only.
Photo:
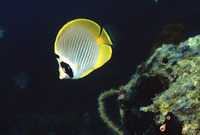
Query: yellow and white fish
[{"x": 82, "y": 46}]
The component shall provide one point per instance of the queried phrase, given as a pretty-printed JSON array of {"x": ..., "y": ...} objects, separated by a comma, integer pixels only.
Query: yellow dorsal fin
[
  {"x": 89, "y": 24},
  {"x": 104, "y": 38},
  {"x": 105, "y": 51}
]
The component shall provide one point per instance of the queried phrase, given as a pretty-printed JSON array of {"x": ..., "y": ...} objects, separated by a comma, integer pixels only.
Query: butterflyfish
[{"x": 81, "y": 46}]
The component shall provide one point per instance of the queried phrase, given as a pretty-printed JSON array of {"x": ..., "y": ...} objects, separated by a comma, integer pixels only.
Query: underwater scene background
[{"x": 34, "y": 101}]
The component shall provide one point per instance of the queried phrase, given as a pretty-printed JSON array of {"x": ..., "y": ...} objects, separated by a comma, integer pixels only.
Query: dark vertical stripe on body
[
  {"x": 81, "y": 46},
  {"x": 85, "y": 52},
  {"x": 78, "y": 47}
]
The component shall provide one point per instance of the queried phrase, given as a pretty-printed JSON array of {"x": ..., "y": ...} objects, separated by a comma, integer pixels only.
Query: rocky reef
[
  {"x": 163, "y": 96},
  {"x": 173, "y": 33}
]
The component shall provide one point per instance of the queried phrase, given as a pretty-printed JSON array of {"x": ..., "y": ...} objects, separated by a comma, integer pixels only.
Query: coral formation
[
  {"x": 163, "y": 96},
  {"x": 103, "y": 114}
]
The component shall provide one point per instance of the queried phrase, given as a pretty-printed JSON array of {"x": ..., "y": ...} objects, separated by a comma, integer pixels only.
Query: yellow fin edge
[
  {"x": 91, "y": 25},
  {"x": 105, "y": 51},
  {"x": 86, "y": 73}
]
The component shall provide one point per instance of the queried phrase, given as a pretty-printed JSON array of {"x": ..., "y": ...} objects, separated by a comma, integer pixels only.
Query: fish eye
[{"x": 67, "y": 69}]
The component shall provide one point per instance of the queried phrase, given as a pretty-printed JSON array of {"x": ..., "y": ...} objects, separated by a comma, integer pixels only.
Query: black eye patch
[{"x": 67, "y": 69}]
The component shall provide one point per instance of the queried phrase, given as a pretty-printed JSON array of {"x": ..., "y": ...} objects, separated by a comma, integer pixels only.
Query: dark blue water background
[{"x": 28, "y": 42}]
